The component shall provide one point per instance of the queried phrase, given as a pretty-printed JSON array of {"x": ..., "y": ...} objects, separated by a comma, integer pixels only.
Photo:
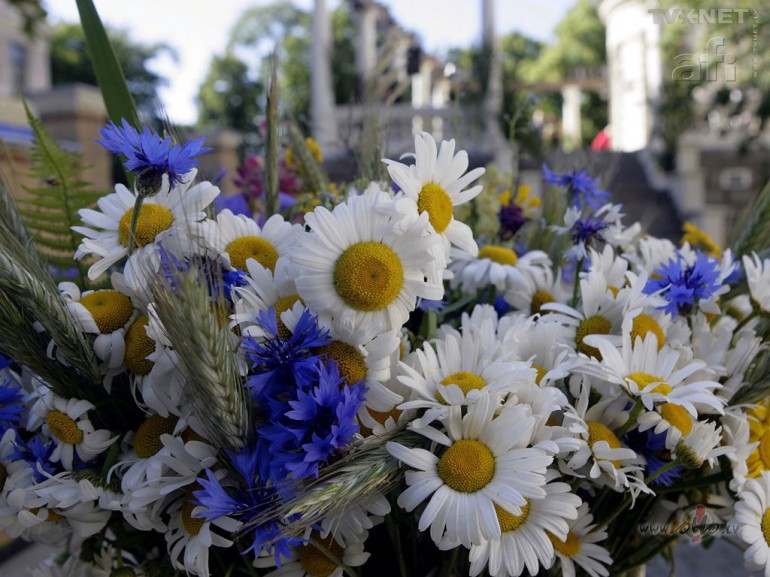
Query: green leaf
[
  {"x": 51, "y": 209},
  {"x": 109, "y": 74}
]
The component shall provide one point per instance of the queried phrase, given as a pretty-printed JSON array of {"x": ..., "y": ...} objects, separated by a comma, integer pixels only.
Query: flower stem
[
  {"x": 134, "y": 220},
  {"x": 576, "y": 283},
  {"x": 665, "y": 468},
  {"x": 632, "y": 417},
  {"x": 395, "y": 537}
]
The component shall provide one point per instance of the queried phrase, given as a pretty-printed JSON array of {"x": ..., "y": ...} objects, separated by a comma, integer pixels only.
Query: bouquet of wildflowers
[{"x": 370, "y": 391}]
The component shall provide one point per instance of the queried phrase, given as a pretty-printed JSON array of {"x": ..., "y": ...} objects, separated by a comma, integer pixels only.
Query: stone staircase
[{"x": 623, "y": 175}]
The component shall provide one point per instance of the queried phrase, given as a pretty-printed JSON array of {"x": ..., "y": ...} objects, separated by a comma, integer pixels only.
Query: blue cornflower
[
  {"x": 283, "y": 363},
  {"x": 37, "y": 452},
  {"x": 11, "y": 406},
  {"x": 587, "y": 230},
  {"x": 584, "y": 190},
  {"x": 246, "y": 502},
  {"x": 149, "y": 156},
  {"x": 218, "y": 281},
  {"x": 652, "y": 446},
  {"x": 683, "y": 284},
  {"x": 320, "y": 422}
]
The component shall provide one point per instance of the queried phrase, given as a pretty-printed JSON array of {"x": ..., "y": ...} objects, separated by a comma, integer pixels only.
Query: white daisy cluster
[{"x": 528, "y": 404}]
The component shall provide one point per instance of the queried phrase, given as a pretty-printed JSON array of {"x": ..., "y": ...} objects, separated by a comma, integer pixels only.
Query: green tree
[
  {"x": 580, "y": 48},
  {"x": 285, "y": 28},
  {"x": 229, "y": 96},
  {"x": 746, "y": 35},
  {"x": 70, "y": 62}
]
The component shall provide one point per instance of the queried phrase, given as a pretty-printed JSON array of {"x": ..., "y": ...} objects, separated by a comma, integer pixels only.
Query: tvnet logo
[
  {"x": 699, "y": 15},
  {"x": 697, "y": 523}
]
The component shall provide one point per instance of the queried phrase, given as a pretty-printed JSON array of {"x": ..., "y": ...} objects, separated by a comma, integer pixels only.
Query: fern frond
[
  {"x": 51, "y": 210},
  {"x": 198, "y": 331}
]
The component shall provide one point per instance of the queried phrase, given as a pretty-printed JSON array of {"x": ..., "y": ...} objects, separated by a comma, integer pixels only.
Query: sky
[{"x": 198, "y": 30}]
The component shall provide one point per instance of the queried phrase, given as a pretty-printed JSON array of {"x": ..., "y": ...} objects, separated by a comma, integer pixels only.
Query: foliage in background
[
  {"x": 230, "y": 96},
  {"x": 285, "y": 27},
  {"x": 704, "y": 99},
  {"x": 50, "y": 209},
  {"x": 32, "y": 12},
  {"x": 70, "y": 62}
]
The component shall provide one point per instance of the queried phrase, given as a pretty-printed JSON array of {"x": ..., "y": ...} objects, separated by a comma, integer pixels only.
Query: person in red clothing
[{"x": 602, "y": 140}]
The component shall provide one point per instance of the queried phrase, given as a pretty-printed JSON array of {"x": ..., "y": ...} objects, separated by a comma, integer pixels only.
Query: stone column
[
  {"x": 324, "y": 125},
  {"x": 494, "y": 95},
  {"x": 570, "y": 116},
  {"x": 366, "y": 43}
]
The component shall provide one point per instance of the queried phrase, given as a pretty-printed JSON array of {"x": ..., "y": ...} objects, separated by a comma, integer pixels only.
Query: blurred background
[{"x": 666, "y": 100}]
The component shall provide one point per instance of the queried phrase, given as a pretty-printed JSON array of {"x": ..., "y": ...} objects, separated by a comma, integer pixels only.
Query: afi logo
[{"x": 705, "y": 67}]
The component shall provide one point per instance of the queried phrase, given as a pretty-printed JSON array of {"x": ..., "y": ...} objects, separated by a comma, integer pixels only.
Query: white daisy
[
  {"x": 238, "y": 238},
  {"x": 497, "y": 266},
  {"x": 580, "y": 548},
  {"x": 752, "y": 515},
  {"x": 318, "y": 557},
  {"x": 107, "y": 229},
  {"x": 66, "y": 421},
  {"x": 457, "y": 368},
  {"x": 356, "y": 268},
  {"x": 190, "y": 536},
  {"x": 758, "y": 278},
  {"x": 526, "y": 538},
  {"x": 529, "y": 292},
  {"x": 484, "y": 462},
  {"x": 701, "y": 445},
  {"x": 655, "y": 376},
  {"x": 106, "y": 314},
  {"x": 434, "y": 185},
  {"x": 602, "y": 457}
]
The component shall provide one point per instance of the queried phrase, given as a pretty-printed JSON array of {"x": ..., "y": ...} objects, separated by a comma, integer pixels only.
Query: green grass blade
[{"x": 109, "y": 74}]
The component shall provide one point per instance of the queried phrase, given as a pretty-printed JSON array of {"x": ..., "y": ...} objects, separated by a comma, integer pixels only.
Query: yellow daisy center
[
  {"x": 192, "y": 525},
  {"x": 64, "y": 427},
  {"x": 317, "y": 563},
  {"x": 123, "y": 572},
  {"x": 595, "y": 325},
  {"x": 540, "y": 298},
  {"x": 645, "y": 324},
  {"x": 614, "y": 290},
  {"x": 190, "y": 435},
  {"x": 568, "y": 548},
  {"x": 509, "y": 521},
  {"x": 436, "y": 202},
  {"x": 147, "y": 440},
  {"x": 766, "y": 526},
  {"x": 677, "y": 416},
  {"x": 764, "y": 450},
  {"x": 463, "y": 379},
  {"x": 110, "y": 309},
  {"x": 368, "y": 276},
  {"x": 541, "y": 372},
  {"x": 350, "y": 362},
  {"x": 254, "y": 247},
  {"x": 644, "y": 380},
  {"x": 467, "y": 466},
  {"x": 600, "y": 432},
  {"x": 282, "y": 305},
  {"x": 499, "y": 254},
  {"x": 381, "y": 417},
  {"x": 153, "y": 220},
  {"x": 51, "y": 515},
  {"x": 138, "y": 347}
]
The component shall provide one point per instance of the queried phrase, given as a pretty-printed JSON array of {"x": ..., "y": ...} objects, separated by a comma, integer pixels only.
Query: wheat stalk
[{"x": 207, "y": 356}]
